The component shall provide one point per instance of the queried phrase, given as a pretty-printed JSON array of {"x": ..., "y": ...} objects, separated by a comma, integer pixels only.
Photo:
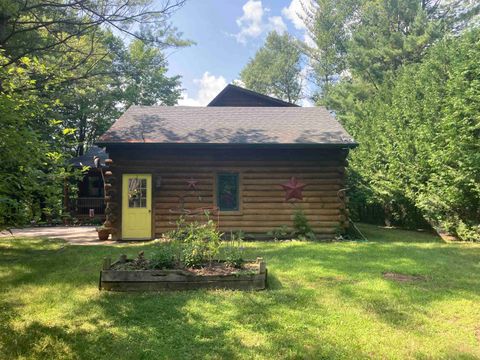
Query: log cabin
[{"x": 248, "y": 159}]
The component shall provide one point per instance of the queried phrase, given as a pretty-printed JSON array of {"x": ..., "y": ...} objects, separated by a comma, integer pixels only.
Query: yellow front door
[{"x": 137, "y": 206}]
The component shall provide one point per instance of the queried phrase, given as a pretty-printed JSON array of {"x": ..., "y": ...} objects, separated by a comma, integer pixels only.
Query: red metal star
[
  {"x": 293, "y": 189},
  {"x": 192, "y": 184}
]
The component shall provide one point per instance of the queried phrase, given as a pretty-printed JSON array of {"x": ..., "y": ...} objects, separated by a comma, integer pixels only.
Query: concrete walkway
[{"x": 76, "y": 235}]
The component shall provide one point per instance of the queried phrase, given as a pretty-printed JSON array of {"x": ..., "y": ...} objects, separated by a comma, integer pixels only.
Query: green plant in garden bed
[
  {"x": 199, "y": 242},
  {"x": 233, "y": 251},
  {"x": 190, "y": 245},
  {"x": 165, "y": 255}
]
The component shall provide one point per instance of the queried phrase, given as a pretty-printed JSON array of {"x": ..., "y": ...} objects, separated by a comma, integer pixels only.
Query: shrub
[
  {"x": 468, "y": 232},
  {"x": 280, "y": 232},
  {"x": 164, "y": 256},
  {"x": 200, "y": 242},
  {"x": 234, "y": 252},
  {"x": 301, "y": 227}
]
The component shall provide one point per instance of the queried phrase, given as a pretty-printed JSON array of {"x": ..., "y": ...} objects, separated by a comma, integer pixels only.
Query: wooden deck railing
[{"x": 83, "y": 205}]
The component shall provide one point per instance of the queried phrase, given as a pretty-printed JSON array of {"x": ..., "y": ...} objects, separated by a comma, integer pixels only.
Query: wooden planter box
[{"x": 160, "y": 280}]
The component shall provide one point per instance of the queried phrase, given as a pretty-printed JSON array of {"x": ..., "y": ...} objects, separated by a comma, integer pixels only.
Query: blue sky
[{"x": 227, "y": 34}]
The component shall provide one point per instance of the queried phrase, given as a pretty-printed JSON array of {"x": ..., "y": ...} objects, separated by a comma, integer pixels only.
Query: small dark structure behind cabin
[
  {"x": 233, "y": 95},
  {"x": 252, "y": 166},
  {"x": 90, "y": 189}
]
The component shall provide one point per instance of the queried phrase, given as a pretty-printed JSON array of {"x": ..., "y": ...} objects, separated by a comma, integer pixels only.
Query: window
[
  {"x": 227, "y": 191},
  {"x": 137, "y": 193}
]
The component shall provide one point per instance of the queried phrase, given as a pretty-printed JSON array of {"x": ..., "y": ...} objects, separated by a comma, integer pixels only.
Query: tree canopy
[
  {"x": 65, "y": 76},
  {"x": 276, "y": 68},
  {"x": 401, "y": 76}
]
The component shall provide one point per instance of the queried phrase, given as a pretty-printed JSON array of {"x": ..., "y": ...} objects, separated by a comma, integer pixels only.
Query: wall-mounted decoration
[
  {"x": 158, "y": 182},
  {"x": 192, "y": 184},
  {"x": 293, "y": 189}
]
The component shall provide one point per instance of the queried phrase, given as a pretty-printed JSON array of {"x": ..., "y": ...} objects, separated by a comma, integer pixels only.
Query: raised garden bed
[{"x": 252, "y": 276}]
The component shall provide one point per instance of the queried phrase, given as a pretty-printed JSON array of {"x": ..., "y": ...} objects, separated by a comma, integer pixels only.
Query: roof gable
[{"x": 233, "y": 95}]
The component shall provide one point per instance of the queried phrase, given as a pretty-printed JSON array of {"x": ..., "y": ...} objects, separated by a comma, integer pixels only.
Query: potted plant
[{"x": 103, "y": 232}]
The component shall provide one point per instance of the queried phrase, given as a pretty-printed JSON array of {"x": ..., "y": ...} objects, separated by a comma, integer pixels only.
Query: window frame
[{"x": 216, "y": 190}]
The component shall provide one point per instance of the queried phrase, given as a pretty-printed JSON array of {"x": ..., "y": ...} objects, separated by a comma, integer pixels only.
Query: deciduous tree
[{"x": 276, "y": 69}]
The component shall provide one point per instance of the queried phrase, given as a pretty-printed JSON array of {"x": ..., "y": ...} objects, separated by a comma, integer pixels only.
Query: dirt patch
[
  {"x": 403, "y": 277},
  {"x": 213, "y": 268},
  {"x": 218, "y": 268},
  {"x": 477, "y": 333},
  {"x": 447, "y": 237}
]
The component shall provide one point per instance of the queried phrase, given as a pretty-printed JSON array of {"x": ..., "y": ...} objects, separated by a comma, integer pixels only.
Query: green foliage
[
  {"x": 233, "y": 251},
  {"x": 281, "y": 232},
  {"x": 326, "y": 26},
  {"x": 31, "y": 168},
  {"x": 200, "y": 242},
  {"x": 145, "y": 81},
  {"x": 275, "y": 69},
  {"x": 62, "y": 86},
  {"x": 420, "y": 134},
  {"x": 165, "y": 255},
  {"x": 363, "y": 42},
  {"x": 301, "y": 226},
  {"x": 407, "y": 91}
]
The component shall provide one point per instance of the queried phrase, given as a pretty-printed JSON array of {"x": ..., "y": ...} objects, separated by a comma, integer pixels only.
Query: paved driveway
[{"x": 78, "y": 235}]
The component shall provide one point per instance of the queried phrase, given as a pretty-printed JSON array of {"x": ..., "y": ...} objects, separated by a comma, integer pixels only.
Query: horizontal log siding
[{"x": 262, "y": 204}]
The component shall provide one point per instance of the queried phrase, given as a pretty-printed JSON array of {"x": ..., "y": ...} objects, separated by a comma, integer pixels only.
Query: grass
[{"x": 324, "y": 301}]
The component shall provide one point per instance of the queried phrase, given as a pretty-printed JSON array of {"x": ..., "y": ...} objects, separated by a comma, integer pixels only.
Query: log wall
[{"x": 262, "y": 199}]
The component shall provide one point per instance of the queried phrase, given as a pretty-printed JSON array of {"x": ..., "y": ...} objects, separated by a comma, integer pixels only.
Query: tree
[
  {"x": 419, "y": 137},
  {"x": 388, "y": 69},
  {"x": 64, "y": 77},
  {"x": 145, "y": 81},
  {"x": 33, "y": 27},
  {"x": 362, "y": 42},
  {"x": 276, "y": 69},
  {"x": 30, "y": 168},
  {"x": 327, "y": 24},
  {"x": 131, "y": 76}
]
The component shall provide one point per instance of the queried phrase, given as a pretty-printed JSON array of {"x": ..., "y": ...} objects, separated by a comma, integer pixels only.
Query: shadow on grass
[{"x": 228, "y": 324}]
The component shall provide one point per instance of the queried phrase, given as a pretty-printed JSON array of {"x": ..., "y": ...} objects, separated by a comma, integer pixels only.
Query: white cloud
[
  {"x": 295, "y": 12},
  {"x": 252, "y": 24},
  {"x": 238, "y": 82},
  {"x": 306, "y": 102},
  {"x": 208, "y": 87},
  {"x": 275, "y": 23},
  {"x": 307, "y": 39}
]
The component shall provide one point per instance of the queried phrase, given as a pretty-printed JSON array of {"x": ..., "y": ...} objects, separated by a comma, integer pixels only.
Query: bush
[
  {"x": 301, "y": 227},
  {"x": 233, "y": 252},
  {"x": 419, "y": 134},
  {"x": 164, "y": 256},
  {"x": 280, "y": 232},
  {"x": 200, "y": 242}
]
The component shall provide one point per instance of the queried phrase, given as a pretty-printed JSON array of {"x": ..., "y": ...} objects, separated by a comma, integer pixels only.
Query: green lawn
[{"x": 324, "y": 301}]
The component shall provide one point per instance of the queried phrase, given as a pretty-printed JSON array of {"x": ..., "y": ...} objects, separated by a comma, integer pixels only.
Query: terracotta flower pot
[{"x": 103, "y": 234}]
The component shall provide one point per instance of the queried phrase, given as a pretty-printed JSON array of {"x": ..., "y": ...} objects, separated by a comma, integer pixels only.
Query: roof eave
[{"x": 350, "y": 145}]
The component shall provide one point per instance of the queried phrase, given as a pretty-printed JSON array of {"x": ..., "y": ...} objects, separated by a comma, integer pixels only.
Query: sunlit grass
[{"x": 325, "y": 300}]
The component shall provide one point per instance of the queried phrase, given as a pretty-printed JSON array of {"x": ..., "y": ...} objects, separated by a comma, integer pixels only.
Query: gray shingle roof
[
  {"x": 227, "y": 125},
  {"x": 87, "y": 158}
]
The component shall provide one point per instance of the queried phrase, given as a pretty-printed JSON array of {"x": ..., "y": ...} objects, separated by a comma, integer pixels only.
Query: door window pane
[
  {"x": 227, "y": 192},
  {"x": 137, "y": 193}
]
